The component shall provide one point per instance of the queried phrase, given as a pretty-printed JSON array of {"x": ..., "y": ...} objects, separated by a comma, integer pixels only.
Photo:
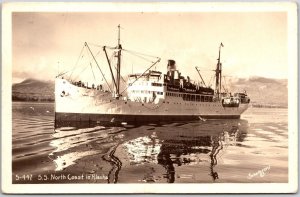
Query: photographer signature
[{"x": 260, "y": 173}]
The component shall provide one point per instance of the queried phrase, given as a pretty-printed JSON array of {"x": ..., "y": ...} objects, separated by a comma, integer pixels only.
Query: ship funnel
[
  {"x": 171, "y": 65},
  {"x": 171, "y": 70}
]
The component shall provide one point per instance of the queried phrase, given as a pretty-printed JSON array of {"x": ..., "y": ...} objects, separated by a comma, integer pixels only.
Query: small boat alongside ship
[{"x": 147, "y": 97}]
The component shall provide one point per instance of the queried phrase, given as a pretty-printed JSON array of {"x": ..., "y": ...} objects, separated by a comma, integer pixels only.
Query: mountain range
[
  {"x": 33, "y": 90},
  {"x": 262, "y": 91}
]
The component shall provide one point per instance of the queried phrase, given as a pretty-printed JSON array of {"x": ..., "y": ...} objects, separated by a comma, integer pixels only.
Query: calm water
[{"x": 252, "y": 149}]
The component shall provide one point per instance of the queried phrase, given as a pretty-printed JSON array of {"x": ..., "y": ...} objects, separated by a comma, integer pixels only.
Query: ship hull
[
  {"x": 78, "y": 117},
  {"x": 74, "y": 103}
]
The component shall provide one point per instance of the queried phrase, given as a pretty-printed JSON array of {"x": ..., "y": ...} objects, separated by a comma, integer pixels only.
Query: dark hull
[
  {"x": 77, "y": 117},
  {"x": 230, "y": 105}
]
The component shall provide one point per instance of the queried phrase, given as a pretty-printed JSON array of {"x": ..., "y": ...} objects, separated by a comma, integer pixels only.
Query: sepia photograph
[{"x": 149, "y": 98}]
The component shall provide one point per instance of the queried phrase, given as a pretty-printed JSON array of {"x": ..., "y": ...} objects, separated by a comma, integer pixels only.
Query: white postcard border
[{"x": 8, "y": 187}]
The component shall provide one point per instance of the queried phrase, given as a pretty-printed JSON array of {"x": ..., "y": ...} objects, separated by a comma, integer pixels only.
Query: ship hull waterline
[{"x": 114, "y": 118}]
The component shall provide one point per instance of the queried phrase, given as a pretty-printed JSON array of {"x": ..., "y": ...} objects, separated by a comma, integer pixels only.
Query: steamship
[{"x": 147, "y": 97}]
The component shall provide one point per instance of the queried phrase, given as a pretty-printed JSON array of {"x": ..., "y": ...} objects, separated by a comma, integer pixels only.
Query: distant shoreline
[{"x": 267, "y": 106}]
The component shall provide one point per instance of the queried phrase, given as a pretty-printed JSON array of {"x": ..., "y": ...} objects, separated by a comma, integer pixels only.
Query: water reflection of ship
[
  {"x": 194, "y": 143},
  {"x": 116, "y": 164},
  {"x": 190, "y": 150}
]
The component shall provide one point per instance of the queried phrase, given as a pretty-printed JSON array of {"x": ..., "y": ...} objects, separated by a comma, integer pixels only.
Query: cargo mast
[
  {"x": 119, "y": 47},
  {"x": 219, "y": 74}
]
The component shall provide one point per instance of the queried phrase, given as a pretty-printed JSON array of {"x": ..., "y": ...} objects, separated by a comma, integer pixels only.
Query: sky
[{"x": 255, "y": 43}]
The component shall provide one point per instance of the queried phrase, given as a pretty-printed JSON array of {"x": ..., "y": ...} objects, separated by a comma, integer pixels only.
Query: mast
[
  {"x": 198, "y": 70},
  {"x": 110, "y": 68},
  {"x": 119, "y": 47},
  {"x": 219, "y": 73}
]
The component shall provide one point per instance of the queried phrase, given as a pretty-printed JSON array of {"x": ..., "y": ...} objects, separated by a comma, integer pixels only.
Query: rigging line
[
  {"x": 142, "y": 74},
  {"x": 211, "y": 80},
  {"x": 224, "y": 88},
  {"x": 208, "y": 70},
  {"x": 130, "y": 51},
  {"x": 225, "y": 83},
  {"x": 81, "y": 72},
  {"x": 140, "y": 57},
  {"x": 98, "y": 53},
  {"x": 121, "y": 75},
  {"x": 75, "y": 78},
  {"x": 90, "y": 61},
  {"x": 128, "y": 60},
  {"x": 138, "y": 54},
  {"x": 198, "y": 70},
  {"x": 98, "y": 65},
  {"x": 101, "y": 46},
  {"x": 109, "y": 64},
  {"x": 62, "y": 73},
  {"x": 80, "y": 55},
  {"x": 92, "y": 71},
  {"x": 111, "y": 59},
  {"x": 201, "y": 67}
]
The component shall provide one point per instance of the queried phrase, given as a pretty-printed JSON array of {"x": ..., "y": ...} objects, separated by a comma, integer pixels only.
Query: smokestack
[
  {"x": 171, "y": 70},
  {"x": 171, "y": 65}
]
